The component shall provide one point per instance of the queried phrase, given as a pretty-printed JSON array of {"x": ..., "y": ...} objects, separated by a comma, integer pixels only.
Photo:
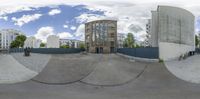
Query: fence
[
  {"x": 197, "y": 50},
  {"x": 49, "y": 50},
  {"x": 150, "y": 52}
]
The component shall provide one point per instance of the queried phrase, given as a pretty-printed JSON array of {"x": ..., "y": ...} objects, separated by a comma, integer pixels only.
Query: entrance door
[
  {"x": 97, "y": 50},
  {"x": 101, "y": 49}
]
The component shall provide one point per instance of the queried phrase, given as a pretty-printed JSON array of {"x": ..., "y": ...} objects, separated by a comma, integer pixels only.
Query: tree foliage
[
  {"x": 42, "y": 45},
  {"x": 129, "y": 41},
  {"x": 64, "y": 46},
  {"x": 18, "y": 42},
  {"x": 197, "y": 40},
  {"x": 82, "y": 46}
]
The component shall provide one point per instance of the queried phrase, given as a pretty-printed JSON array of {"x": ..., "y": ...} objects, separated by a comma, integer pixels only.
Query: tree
[
  {"x": 82, "y": 46},
  {"x": 42, "y": 45},
  {"x": 64, "y": 46},
  {"x": 129, "y": 41},
  {"x": 197, "y": 41},
  {"x": 18, "y": 42}
]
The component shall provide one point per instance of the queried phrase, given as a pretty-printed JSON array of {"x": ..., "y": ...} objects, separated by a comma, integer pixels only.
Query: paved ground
[
  {"x": 67, "y": 68},
  {"x": 113, "y": 70},
  {"x": 35, "y": 62},
  {"x": 188, "y": 69},
  {"x": 12, "y": 71},
  {"x": 155, "y": 82}
]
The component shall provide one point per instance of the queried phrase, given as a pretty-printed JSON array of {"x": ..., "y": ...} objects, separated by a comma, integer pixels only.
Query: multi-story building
[
  {"x": 32, "y": 42},
  {"x": 7, "y": 36},
  {"x": 53, "y": 41},
  {"x": 70, "y": 42},
  {"x": 101, "y": 36},
  {"x": 120, "y": 40},
  {"x": 172, "y": 30}
]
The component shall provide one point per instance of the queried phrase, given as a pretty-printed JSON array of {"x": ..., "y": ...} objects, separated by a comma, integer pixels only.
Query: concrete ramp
[
  {"x": 66, "y": 68},
  {"x": 11, "y": 71},
  {"x": 114, "y": 70},
  {"x": 35, "y": 62},
  {"x": 188, "y": 69}
]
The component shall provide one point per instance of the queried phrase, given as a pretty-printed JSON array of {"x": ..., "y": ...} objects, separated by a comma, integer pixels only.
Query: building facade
[
  {"x": 7, "y": 36},
  {"x": 69, "y": 42},
  {"x": 32, "y": 42},
  {"x": 53, "y": 41},
  {"x": 172, "y": 30},
  {"x": 120, "y": 40},
  {"x": 101, "y": 36}
]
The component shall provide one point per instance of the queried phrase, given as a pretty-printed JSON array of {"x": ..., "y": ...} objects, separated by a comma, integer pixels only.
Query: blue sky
[
  {"x": 61, "y": 20},
  {"x": 66, "y": 18}
]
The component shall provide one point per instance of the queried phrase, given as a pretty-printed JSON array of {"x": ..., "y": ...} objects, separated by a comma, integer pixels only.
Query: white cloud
[
  {"x": 65, "y": 26},
  {"x": 73, "y": 28},
  {"x": 127, "y": 12},
  {"x": 44, "y": 32},
  {"x": 4, "y": 18},
  {"x": 79, "y": 34},
  {"x": 65, "y": 35},
  {"x": 25, "y": 19},
  {"x": 54, "y": 12}
]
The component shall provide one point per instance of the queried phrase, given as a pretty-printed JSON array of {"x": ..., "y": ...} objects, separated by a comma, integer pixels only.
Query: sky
[{"x": 66, "y": 18}]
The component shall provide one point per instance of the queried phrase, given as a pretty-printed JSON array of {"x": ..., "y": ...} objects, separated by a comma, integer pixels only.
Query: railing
[
  {"x": 49, "y": 50},
  {"x": 149, "y": 52}
]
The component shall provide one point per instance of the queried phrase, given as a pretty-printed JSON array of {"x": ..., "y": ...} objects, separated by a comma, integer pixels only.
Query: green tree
[
  {"x": 64, "y": 46},
  {"x": 82, "y": 46},
  {"x": 42, "y": 45},
  {"x": 197, "y": 40},
  {"x": 18, "y": 42},
  {"x": 129, "y": 41}
]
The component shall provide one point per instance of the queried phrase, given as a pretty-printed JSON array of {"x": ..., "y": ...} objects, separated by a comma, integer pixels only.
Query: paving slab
[
  {"x": 66, "y": 68},
  {"x": 188, "y": 69},
  {"x": 11, "y": 71},
  {"x": 112, "y": 70}
]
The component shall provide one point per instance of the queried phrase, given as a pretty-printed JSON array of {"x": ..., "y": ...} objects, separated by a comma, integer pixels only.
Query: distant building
[
  {"x": 32, "y": 42},
  {"x": 53, "y": 41},
  {"x": 120, "y": 40},
  {"x": 7, "y": 36},
  {"x": 101, "y": 36},
  {"x": 172, "y": 30},
  {"x": 148, "y": 26},
  {"x": 69, "y": 42}
]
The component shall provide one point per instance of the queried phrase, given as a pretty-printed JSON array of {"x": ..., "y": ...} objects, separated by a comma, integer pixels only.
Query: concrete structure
[
  {"x": 71, "y": 43},
  {"x": 120, "y": 40},
  {"x": 101, "y": 36},
  {"x": 32, "y": 42},
  {"x": 7, "y": 36},
  {"x": 172, "y": 30},
  {"x": 53, "y": 41}
]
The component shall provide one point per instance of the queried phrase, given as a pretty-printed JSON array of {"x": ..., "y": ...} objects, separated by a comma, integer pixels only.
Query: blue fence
[
  {"x": 150, "y": 52},
  {"x": 197, "y": 50},
  {"x": 49, "y": 50}
]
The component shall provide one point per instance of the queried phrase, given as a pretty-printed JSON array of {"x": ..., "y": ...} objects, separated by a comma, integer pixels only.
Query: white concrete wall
[
  {"x": 53, "y": 41},
  {"x": 170, "y": 51},
  {"x": 32, "y": 42}
]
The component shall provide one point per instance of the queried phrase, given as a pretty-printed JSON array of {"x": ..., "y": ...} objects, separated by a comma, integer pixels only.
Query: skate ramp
[
  {"x": 188, "y": 69},
  {"x": 35, "y": 62},
  {"x": 112, "y": 70},
  {"x": 11, "y": 71},
  {"x": 67, "y": 68}
]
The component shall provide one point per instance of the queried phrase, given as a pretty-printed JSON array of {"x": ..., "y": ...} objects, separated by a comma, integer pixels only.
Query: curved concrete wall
[{"x": 175, "y": 32}]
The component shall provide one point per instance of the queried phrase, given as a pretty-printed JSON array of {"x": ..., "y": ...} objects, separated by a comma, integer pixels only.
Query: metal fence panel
[
  {"x": 151, "y": 52},
  {"x": 49, "y": 50}
]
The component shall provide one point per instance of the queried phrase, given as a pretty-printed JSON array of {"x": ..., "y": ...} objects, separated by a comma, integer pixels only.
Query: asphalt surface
[
  {"x": 155, "y": 82},
  {"x": 113, "y": 70},
  {"x": 67, "y": 68}
]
